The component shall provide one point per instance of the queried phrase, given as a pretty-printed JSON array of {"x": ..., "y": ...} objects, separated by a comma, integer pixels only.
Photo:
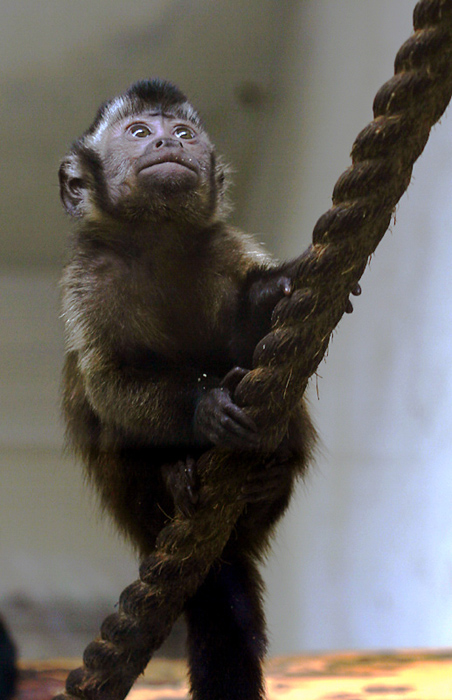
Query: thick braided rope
[{"x": 364, "y": 198}]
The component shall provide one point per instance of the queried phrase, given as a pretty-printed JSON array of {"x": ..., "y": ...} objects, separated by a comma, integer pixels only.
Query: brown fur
[{"x": 160, "y": 304}]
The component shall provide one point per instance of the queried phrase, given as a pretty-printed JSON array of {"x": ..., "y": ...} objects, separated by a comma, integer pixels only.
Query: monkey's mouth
[{"x": 147, "y": 162}]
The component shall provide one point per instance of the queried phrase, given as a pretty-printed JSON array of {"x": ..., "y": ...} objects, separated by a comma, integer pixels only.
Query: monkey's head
[{"x": 146, "y": 157}]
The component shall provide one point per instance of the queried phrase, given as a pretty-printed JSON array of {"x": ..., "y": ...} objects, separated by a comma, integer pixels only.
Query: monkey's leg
[{"x": 226, "y": 631}]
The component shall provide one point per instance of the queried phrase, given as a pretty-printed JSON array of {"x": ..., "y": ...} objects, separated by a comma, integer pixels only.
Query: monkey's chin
[{"x": 169, "y": 177}]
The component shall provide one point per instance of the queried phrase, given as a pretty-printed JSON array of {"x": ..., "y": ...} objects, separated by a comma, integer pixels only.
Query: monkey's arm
[
  {"x": 162, "y": 405},
  {"x": 262, "y": 289}
]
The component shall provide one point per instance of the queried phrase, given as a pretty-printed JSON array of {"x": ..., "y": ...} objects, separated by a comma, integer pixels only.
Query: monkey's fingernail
[
  {"x": 349, "y": 307},
  {"x": 286, "y": 286},
  {"x": 357, "y": 290}
]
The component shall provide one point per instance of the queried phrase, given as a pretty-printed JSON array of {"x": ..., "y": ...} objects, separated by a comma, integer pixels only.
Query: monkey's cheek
[{"x": 169, "y": 177}]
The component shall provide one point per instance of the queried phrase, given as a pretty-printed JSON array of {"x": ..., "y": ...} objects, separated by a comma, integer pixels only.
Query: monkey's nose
[{"x": 166, "y": 142}]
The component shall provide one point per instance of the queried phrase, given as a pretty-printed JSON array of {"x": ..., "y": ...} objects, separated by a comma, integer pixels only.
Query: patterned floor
[{"x": 400, "y": 676}]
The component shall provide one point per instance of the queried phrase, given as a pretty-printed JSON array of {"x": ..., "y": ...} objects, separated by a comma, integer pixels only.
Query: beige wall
[{"x": 51, "y": 541}]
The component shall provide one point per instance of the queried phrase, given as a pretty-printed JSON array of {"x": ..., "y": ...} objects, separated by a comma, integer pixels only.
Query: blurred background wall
[{"x": 364, "y": 558}]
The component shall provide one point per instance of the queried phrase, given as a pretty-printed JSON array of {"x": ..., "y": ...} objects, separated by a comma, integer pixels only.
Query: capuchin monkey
[{"x": 164, "y": 303}]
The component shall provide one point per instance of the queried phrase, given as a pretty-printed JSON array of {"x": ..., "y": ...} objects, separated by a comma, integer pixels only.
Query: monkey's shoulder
[
  {"x": 239, "y": 251},
  {"x": 104, "y": 300}
]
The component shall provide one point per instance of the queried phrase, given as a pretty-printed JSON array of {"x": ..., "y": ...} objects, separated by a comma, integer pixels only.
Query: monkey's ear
[{"x": 73, "y": 187}]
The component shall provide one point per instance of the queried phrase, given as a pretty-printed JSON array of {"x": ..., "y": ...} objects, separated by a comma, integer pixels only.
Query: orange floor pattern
[{"x": 352, "y": 676}]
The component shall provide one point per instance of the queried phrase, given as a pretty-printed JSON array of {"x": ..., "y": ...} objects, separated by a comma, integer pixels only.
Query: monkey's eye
[
  {"x": 184, "y": 132},
  {"x": 139, "y": 131}
]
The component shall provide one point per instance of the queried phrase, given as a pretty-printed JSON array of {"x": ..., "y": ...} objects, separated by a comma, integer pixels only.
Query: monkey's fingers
[
  {"x": 220, "y": 421},
  {"x": 356, "y": 292},
  {"x": 233, "y": 378},
  {"x": 239, "y": 417},
  {"x": 286, "y": 286},
  {"x": 234, "y": 429}
]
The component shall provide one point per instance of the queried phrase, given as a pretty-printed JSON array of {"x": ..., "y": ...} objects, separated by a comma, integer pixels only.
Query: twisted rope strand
[{"x": 364, "y": 198}]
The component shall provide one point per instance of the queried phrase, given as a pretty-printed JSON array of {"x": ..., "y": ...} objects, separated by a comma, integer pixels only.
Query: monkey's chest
[
  {"x": 199, "y": 339},
  {"x": 185, "y": 316},
  {"x": 183, "y": 329}
]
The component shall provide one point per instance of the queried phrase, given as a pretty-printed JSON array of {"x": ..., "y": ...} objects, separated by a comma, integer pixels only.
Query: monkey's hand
[
  {"x": 267, "y": 291},
  {"x": 262, "y": 292},
  {"x": 181, "y": 482},
  {"x": 220, "y": 421}
]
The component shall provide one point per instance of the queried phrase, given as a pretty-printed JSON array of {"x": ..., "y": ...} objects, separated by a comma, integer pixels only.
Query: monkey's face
[
  {"x": 154, "y": 158},
  {"x": 149, "y": 166}
]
